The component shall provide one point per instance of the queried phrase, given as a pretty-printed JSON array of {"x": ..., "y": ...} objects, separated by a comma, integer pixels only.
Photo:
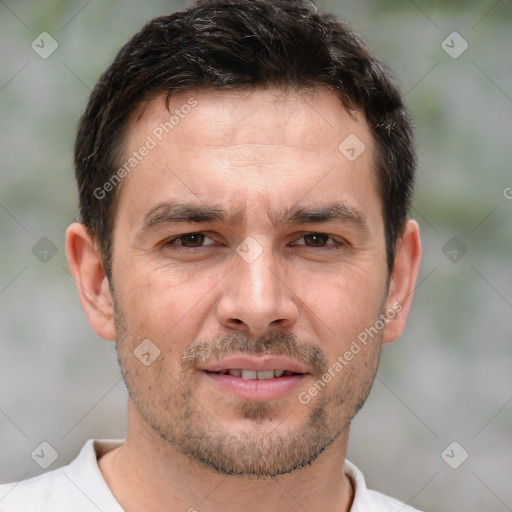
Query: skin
[{"x": 256, "y": 153}]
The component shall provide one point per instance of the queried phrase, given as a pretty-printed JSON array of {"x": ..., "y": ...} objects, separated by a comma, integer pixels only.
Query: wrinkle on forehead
[{"x": 228, "y": 123}]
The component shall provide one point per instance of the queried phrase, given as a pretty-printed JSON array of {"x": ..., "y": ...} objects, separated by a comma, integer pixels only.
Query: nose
[{"x": 256, "y": 297}]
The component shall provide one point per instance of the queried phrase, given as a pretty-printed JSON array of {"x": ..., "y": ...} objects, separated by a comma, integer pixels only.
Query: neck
[{"x": 148, "y": 473}]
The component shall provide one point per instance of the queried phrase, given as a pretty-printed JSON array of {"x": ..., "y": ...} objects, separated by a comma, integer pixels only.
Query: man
[{"x": 244, "y": 170}]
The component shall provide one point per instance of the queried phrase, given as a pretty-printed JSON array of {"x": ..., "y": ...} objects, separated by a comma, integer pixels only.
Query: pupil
[
  {"x": 317, "y": 239},
  {"x": 195, "y": 239}
]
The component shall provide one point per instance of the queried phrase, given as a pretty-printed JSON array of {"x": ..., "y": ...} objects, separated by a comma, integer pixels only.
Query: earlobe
[
  {"x": 87, "y": 269},
  {"x": 403, "y": 281}
]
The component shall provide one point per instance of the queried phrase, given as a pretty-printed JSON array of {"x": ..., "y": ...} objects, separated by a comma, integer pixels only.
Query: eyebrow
[
  {"x": 176, "y": 211},
  {"x": 335, "y": 212}
]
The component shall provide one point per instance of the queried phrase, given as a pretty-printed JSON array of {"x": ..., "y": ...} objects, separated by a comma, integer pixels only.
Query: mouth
[
  {"x": 256, "y": 378},
  {"x": 256, "y": 375}
]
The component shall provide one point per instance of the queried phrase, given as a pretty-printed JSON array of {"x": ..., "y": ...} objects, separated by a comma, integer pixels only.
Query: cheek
[
  {"x": 344, "y": 305},
  {"x": 161, "y": 301}
]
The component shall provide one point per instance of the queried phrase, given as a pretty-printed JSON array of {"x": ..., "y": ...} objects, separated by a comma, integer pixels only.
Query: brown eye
[
  {"x": 321, "y": 241},
  {"x": 316, "y": 239},
  {"x": 189, "y": 240},
  {"x": 192, "y": 239}
]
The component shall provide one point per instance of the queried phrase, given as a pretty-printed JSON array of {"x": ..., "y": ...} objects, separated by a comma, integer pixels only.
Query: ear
[
  {"x": 87, "y": 269},
  {"x": 403, "y": 281}
]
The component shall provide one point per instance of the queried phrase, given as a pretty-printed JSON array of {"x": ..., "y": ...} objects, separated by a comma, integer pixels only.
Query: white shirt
[{"x": 80, "y": 487}]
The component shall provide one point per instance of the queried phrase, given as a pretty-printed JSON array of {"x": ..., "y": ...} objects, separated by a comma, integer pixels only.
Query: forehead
[
  {"x": 305, "y": 118},
  {"x": 269, "y": 144}
]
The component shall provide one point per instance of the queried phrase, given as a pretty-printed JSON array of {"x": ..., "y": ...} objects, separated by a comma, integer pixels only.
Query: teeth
[
  {"x": 266, "y": 374},
  {"x": 256, "y": 375}
]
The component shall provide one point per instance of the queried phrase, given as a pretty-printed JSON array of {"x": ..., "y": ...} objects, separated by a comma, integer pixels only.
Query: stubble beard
[{"x": 266, "y": 447}]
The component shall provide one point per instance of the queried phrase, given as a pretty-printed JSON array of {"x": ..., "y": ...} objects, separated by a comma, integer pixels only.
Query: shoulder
[
  {"x": 366, "y": 500},
  {"x": 388, "y": 504},
  {"x": 51, "y": 488},
  {"x": 78, "y": 486}
]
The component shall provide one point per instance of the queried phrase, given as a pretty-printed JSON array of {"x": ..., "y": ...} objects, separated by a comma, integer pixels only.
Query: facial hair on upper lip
[{"x": 274, "y": 343}]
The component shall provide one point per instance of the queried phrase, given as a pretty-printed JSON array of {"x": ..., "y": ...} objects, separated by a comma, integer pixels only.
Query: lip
[
  {"x": 260, "y": 363},
  {"x": 254, "y": 389},
  {"x": 270, "y": 389}
]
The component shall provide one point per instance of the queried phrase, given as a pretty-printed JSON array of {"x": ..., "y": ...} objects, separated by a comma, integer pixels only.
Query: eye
[
  {"x": 190, "y": 240},
  {"x": 318, "y": 240}
]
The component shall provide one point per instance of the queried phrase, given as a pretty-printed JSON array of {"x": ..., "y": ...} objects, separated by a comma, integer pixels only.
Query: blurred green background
[{"x": 449, "y": 379}]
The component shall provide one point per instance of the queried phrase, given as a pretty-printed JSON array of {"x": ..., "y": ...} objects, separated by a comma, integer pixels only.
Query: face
[{"x": 249, "y": 253}]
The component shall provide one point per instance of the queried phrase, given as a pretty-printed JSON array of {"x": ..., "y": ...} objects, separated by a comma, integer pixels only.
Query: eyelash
[{"x": 332, "y": 246}]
